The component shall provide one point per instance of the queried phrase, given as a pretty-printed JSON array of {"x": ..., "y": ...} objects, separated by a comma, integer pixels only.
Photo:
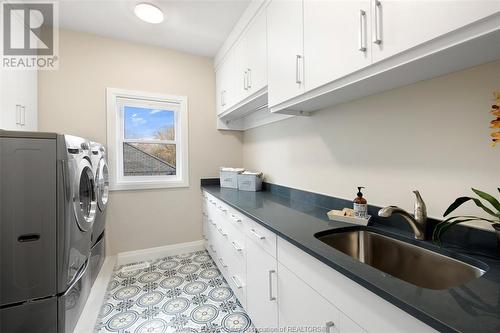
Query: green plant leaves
[
  {"x": 460, "y": 201},
  {"x": 443, "y": 226},
  {"x": 457, "y": 203},
  {"x": 492, "y": 200}
]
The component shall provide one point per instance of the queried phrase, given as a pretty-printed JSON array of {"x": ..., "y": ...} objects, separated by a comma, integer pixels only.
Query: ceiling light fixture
[{"x": 148, "y": 13}]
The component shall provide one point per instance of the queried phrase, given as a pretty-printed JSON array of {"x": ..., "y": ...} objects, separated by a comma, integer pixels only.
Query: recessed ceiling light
[{"x": 148, "y": 13}]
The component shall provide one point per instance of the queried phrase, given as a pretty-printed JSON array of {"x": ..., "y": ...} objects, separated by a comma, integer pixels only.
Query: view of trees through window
[{"x": 149, "y": 147}]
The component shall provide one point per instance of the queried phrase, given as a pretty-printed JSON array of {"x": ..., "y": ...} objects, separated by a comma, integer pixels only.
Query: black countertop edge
[{"x": 212, "y": 186}]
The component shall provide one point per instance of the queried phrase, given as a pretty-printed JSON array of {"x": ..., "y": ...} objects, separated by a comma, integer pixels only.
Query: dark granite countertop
[{"x": 296, "y": 216}]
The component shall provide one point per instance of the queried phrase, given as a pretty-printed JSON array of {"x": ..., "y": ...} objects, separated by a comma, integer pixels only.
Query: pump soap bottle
[{"x": 360, "y": 205}]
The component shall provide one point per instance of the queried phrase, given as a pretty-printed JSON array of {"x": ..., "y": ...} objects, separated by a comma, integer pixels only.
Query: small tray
[{"x": 350, "y": 219}]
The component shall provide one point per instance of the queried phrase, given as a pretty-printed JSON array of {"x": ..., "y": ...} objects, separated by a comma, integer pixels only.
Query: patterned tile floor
[{"x": 178, "y": 294}]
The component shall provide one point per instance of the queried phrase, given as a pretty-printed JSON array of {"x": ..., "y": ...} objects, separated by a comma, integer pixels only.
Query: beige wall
[
  {"x": 72, "y": 100},
  {"x": 431, "y": 136}
]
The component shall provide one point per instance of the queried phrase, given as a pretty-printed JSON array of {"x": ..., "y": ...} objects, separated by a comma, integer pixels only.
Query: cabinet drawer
[
  {"x": 238, "y": 286},
  {"x": 261, "y": 236}
]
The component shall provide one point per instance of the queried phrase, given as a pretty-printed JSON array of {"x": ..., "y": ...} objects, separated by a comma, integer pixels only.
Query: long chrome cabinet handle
[
  {"x": 18, "y": 114},
  {"x": 362, "y": 31},
  {"x": 328, "y": 326},
  {"x": 271, "y": 297},
  {"x": 378, "y": 22},
  {"x": 222, "y": 232},
  {"x": 245, "y": 79},
  {"x": 298, "y": 79},
  {"x": 256, "y": 234},
  {"x": 235, "y": 218},
  {"x": 238, "y": 285},
  {"x": 249, "y": 78},
  {"x": 23, "y": 118},
  {"x": 222, "y": 263},
  {"x": 236, "y": 246}
]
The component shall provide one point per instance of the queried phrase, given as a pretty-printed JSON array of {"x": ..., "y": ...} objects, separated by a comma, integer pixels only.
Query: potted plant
[{"x": 491, "y": 207}]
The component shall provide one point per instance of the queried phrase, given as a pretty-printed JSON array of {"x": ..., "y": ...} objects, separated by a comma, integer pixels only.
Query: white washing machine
[{"x": 101, "y": 174}]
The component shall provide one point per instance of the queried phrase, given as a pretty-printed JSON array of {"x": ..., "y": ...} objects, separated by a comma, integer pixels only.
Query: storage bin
[
  {"x": 229, "y": 177},
  {"x": 250, "y": 181}
]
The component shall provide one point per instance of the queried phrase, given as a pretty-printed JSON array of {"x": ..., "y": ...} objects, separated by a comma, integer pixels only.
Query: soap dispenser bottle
[{"x": 360, "y": 205}]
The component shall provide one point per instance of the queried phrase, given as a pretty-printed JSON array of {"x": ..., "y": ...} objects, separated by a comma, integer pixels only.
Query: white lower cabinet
[
  {"x": 262, "y": 270},
  {"x": 302, "y": 309},
  {"x": 284, "y": 289}
]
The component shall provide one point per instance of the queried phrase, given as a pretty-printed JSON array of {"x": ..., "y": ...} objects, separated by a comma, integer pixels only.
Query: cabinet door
[
  {"x": 10, "y": 111},
  {"x": 300, "y": 306},
  {"x": 401, "y": 24},
  {"x": 225, "y": 84},
  {"x": 336, "y": 39},
  {"x": 261, "y": 287},
  {"x": 240, "y": 70},
  {"x": 256, "y": 48},
  {"x": 28, "y": 99},
  {"x": 285, "y": 50}
]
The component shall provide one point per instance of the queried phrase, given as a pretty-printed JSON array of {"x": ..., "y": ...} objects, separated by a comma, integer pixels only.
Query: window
[{"x": 147, "y": 140}]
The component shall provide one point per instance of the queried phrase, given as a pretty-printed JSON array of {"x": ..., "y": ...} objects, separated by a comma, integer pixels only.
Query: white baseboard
[{"x": 158, "y": 252}]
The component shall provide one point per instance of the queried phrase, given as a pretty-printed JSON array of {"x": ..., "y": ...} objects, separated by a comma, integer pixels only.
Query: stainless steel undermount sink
[{"x": 405, "y": 261}]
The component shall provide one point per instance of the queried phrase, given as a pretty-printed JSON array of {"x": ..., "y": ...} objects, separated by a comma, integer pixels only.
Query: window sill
[{"x": 141, "y": 185}]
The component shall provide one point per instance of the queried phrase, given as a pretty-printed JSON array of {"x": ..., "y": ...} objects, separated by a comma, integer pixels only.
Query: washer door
[
  {"x": 84, "y": 199},
  {"x": 102, "y": 179}
]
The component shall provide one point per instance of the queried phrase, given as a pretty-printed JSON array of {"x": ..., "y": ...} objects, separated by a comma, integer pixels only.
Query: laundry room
[{"x": 245, "y": 166}]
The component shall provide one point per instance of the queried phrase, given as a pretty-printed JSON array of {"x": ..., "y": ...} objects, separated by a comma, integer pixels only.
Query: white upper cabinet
[
  {"x": 399, "y": 25},
  {"x": 18, "y": 95},
  {"x": 255, "y": 41},
  {"x": 337, "y": 39},
  {"x": 285, "y": 50},
  {"x": 19, "y": 100},
  {"x": 225, "y": 83}
]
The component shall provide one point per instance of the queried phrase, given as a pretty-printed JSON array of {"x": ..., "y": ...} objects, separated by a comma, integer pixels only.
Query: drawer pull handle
[
  {"x": 256, "y": 234},
  {"x": 212, "y": 222},
  {"x": 328, "y": 326},
  {"x": 222, "y": 232},
  {"x": 212, "y": 247},
  {"x": 236, "y": 218},
  {"x": 222, "y": 209},
  {"x": 235, "y": 280},
  {"x": 271, "y": 297},
  {"x": 222, "y": 263},
  {"x": 236, "y": 246}
]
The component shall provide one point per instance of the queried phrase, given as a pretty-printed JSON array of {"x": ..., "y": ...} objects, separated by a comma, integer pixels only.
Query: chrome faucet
[{"x": 417, "y": 223}]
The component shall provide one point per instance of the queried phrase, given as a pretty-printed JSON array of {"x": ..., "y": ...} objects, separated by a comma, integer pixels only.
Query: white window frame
[{"x": 115, "y": 140}]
